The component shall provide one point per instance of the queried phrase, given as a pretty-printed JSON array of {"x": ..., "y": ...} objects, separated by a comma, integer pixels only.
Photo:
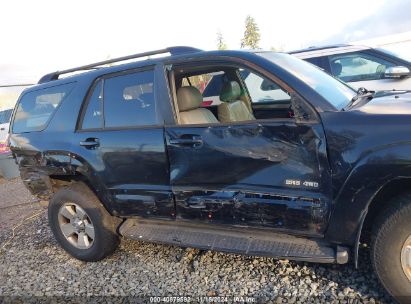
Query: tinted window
[
  {"x": 92, "y": 117},
  {"x": 358, "y": 66},
  {"x": 36, "y": 108},
  {"x": 315, "y": 60},
  {"x": 5, "y": 116},
  {"x": 129, "y": 100}
]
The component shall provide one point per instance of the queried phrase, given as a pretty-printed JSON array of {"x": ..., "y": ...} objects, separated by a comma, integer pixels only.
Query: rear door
[
  {"x": 121, "y": 139},
  {"x": 270, "y": 172}
]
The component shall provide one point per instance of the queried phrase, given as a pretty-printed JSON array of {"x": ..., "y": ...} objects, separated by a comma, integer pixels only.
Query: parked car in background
[
  {"x": 375, "y": 69},
  {"x": 128, "y": 150},
  {"x": 5, "y": 116},
  {"x": 8, "y": 167}
]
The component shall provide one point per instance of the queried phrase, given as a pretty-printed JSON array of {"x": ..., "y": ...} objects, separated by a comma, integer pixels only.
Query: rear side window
[
  {"x": 124, "y": 101},
  {"x": 93, "y": 115},
  {"x": 37, "y": 107}
]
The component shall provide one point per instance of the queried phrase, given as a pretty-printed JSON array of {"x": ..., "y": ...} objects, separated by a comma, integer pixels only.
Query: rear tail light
[{"x": 206, "y": 103}]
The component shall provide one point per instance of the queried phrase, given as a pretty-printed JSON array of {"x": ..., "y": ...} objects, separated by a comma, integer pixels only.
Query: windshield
[{"x": 335, "y": 92}]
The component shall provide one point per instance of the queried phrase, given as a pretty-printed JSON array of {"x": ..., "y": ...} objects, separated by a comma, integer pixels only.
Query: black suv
[{"x": 127, "y": 150}]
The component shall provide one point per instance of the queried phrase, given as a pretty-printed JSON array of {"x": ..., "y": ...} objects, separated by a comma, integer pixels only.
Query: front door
[{"x": 263, "y": 173}]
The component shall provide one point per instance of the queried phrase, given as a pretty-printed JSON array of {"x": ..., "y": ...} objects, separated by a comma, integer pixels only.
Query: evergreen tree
[
  {"x": 251, "y": 34},
  {"x": 221, "y": 45}
]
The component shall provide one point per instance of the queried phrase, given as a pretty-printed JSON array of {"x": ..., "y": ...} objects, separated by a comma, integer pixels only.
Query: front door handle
[
  {"x": 90, "y": 143},
  {"x": 187, "y": 140}
]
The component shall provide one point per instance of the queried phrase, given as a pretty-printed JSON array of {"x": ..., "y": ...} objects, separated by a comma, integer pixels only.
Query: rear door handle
[
  {"x": 90, "y": 143},
  {"x": 187, "y": 140}
]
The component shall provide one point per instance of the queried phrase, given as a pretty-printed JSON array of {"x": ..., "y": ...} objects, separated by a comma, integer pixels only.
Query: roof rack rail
[{"x": 174, "y": 50}]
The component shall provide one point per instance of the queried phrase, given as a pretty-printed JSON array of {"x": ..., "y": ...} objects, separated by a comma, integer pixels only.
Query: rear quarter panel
[{"x": 43, "y": 153}]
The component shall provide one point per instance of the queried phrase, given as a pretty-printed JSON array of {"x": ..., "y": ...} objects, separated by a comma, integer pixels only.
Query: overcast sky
[{"x": 42, "y": 36}]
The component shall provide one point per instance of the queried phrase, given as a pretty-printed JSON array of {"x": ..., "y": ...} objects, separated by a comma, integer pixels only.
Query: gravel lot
[{"x": 34, "y": 268}]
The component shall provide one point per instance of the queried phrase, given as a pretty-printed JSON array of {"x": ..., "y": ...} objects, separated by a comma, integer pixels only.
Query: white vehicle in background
[
  {"x": 375, "y": 69},
  {"x": 5, "y": 116},
  {"x": 8, "y": 167}
]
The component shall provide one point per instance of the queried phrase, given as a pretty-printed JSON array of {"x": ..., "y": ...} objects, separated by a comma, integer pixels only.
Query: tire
[
  {"x": 391, "y": 232},
  {"x": 92, "y": 236}
]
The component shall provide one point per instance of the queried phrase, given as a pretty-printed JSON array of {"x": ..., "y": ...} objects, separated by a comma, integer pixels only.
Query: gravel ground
[
  {"x": 16, "y": 203},
  {"x": 34, "y": 268}
]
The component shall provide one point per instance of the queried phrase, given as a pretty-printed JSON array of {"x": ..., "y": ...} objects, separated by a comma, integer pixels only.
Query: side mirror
[{"x": 397, "y": 72}]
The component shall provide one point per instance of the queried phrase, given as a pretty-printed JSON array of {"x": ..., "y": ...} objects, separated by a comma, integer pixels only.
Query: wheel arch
[
  {"x": 378, "y": 203},
  {"x": 59, "y": 181},
  {"x": 45, "y": 173}
]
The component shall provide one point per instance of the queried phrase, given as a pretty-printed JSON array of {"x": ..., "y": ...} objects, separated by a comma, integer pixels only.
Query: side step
[{"x": 236, "y": 240}]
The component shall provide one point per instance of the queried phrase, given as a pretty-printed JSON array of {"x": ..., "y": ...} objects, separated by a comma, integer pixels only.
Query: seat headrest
[
  {"x": 336, "y": 68},
  {"x": 188, "y": 98},
  {"x": 230, "y": 91}
]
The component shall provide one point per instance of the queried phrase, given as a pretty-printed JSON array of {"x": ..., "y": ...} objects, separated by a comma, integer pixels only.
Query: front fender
[{"x": 366, "y": 179}]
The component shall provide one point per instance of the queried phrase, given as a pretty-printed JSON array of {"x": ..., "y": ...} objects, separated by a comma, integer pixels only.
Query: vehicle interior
[{"x": 240, "y": 95}]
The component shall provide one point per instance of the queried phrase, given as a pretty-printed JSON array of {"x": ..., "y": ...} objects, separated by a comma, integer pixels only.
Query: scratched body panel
[{"x": 238, "y": 175}]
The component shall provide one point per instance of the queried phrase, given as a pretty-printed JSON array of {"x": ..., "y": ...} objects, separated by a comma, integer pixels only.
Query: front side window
[
  {"x": 358, "y": 67},
  {"x": 129, "y": 100},
  {"x": 263, "y": 90},
  {"x": 35, "y": 108},
  {"x": 335, "y": 92}
]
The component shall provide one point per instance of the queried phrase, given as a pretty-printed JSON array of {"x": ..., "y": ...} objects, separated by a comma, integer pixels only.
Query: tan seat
[
  {"x": 232, "y": 108},
  {"x": 189, "y": 100}
]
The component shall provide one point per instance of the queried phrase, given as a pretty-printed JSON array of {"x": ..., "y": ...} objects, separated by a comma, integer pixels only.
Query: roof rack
[{"x": 175, "y": 50}]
